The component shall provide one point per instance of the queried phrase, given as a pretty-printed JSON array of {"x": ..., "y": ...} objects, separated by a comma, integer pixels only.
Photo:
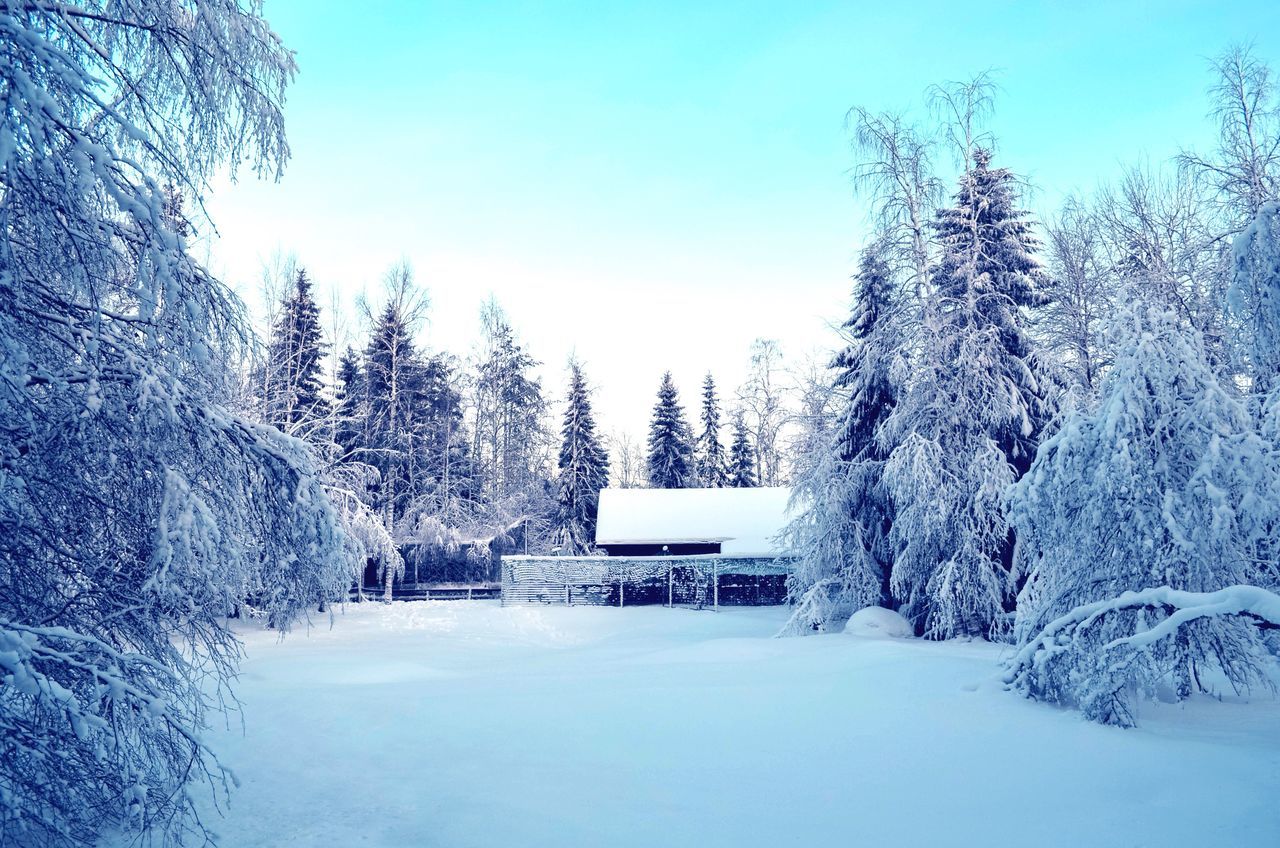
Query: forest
[{"x": 1060, "y": 435}]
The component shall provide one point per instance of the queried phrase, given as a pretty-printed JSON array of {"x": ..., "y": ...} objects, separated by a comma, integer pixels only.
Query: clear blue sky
[{"x": 654, "y": 185}]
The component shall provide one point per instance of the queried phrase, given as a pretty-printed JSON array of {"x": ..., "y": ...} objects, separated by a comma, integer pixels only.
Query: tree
[
  {"x": 511, "y": 439},
  {"x": 709, "y": 459},
  {"x": 969, "y": 422},
  {"x": 292, "y": 383},
  {"x": 1244, "y": 173},
  {"x": 137, "y": 508},
  {"x": 1253, "y": 300},
  {"x": 841, "y": 534},
  {"x": 1165, "y": 484},
  {"x": 584, "y": 469},
  {"x": 1080, "y": 289},
  {"x": 350, "y": 409},
  {"x": 895, "y": 172},
  {"x": 393, "y": 388},
  {"x": 670, "y": 441},
  {"x": 761, "y": 402},
  {"x": 742, "y": 457}
]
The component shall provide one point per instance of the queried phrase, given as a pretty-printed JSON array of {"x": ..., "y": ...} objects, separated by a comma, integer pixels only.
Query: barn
[{"x": 679, "y": 547}]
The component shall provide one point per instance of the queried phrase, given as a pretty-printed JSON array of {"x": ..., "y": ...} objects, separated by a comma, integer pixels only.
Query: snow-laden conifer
[
  {"x": 670, "y": 442},
  {"x": 969, "y": 422},
  {"x": 709, "y": 458},
  {"x": 1165, "y": 484},
  {"x": 583, "y": 469},
  {"x": 742, "y": 456},
  {"x": 841, "y": 533},
  {"x": 292, "y": 382}
]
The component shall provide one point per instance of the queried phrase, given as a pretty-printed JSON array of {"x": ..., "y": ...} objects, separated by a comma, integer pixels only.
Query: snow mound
[{"x": 880, "y": 623}]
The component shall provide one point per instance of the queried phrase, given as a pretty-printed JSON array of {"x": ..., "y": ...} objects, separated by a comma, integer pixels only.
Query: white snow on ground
[{"x": 468, "y": 724}]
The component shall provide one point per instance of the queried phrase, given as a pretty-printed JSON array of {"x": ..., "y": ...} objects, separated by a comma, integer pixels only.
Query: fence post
[
  {"x": 670, "y": 571},
  {"x": 622, "y": 592},
  {"x": 568, "y": 601},
  {"x": 715, "y": 584}
]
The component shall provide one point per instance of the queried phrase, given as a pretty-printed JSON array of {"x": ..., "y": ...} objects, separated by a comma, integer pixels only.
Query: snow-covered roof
[{"x": 744, "y": 521}]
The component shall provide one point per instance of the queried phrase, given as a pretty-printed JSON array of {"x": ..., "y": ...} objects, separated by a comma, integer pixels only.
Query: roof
[{"x": 744, "y": 521}]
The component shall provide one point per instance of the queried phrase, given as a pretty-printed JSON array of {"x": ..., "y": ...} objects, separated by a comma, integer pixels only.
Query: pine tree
[
  {"x": 841, "y": 538},
  {"x": 293, "y": 373},
  {"x": 968, "y": 425},
  {"x": 742, "y": 457},
  {"x": 670, "y": 442},
  {"x": 584, "y": 469},
  {"x": 1165, "y": 484},
  {"x": 709, "y": 459}
]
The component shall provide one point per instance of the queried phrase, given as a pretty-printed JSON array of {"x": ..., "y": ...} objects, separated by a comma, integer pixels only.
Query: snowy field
[{"x": 467, "y": 724}]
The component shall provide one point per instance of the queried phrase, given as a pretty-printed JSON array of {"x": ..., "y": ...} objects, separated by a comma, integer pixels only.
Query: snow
[
  {"x": 880, "y": 623},
  {"x": 469, "y": 724},
  {"x": 745, "y": 521}
]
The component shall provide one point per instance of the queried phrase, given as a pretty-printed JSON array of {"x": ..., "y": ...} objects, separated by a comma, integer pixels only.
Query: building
[
  {"x": 653, "y": 522},
  {"x": 679, "y": 547}
]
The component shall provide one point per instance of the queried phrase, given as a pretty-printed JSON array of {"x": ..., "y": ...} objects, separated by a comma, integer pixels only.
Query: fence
[{"x": 690, "y": 581}]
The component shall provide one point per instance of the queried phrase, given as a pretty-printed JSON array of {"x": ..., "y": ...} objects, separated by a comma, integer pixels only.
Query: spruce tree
[
  {"x": 670, "y": 442},
  {"x": 583, "y": 467},
  {"x": 742, "y": 457},
  {"x": 393, "y": 380},
  {"x": 841, "y": 537},
  {"x": 709, "y": 458},
  {"x": 293, "y": 380},
  {"x": 349, "y": 427},
  {"x": 969, "y": 424}
]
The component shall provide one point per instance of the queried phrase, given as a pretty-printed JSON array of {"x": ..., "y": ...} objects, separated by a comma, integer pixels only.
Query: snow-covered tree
[
  {"x": 670, "y": 458},
  {"x": 742, "y": 457},
  {"x": 969, "y": 422},
  {"x": 393, "y": 385},
  {"x": 841, "y": 534},
  {"x": 584, "y": 469},
  {"x": 761, "y": 402},
  {"x": 1165, "y": 484},
  {"x": 512, "y": 443},
  {"x": 709, "y": 458},
  {"x": 292, "y": 379},
  {"x": 137, "y": 510},
  {"x": 1253, "y": 300}
]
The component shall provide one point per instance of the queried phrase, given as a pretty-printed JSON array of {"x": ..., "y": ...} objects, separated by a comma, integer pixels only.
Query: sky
[{"x": 652, "y": 186}]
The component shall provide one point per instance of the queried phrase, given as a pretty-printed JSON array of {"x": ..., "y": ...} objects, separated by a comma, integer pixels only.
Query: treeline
[
  {"x": 1032, "y": 424},
  {"x": 427, "y": 449}
]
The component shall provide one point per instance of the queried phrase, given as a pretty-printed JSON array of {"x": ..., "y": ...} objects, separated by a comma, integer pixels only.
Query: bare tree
[
  {"x": 895, "y": 173},
  {"x": 762, "y": 400},
  {"x": 628, "y": 461},
  {"x": 1081, "y": 290},
  {"x": 1244, "y": 171}
]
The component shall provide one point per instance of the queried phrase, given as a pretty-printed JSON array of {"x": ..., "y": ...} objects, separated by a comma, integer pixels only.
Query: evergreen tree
[
  {"x": 841, "y": 538},
  {"x": 349, "y": 427},
  {"x": 584, "y": 469},
  {"x": 1165, "y": 484},
  {"x": 293, "y": 374},
  {"x": 670, "y": 442},
  {"x": 742, "y": 457},
  {"x": 709, "y": 459},
  {"x": 393, "y": 381},
  {"x": 968, "y": 425}
]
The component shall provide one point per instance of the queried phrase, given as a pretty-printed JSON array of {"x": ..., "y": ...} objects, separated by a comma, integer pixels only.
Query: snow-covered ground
[{"x": 468, "y": 724}]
